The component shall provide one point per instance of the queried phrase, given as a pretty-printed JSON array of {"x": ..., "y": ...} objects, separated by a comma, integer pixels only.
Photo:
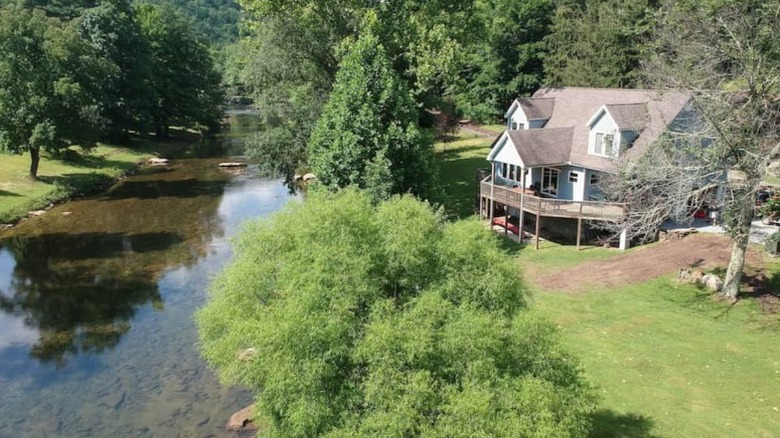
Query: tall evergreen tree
[
  {"x": 598, "y": 43},
  {"x": 367, "y": 134}
]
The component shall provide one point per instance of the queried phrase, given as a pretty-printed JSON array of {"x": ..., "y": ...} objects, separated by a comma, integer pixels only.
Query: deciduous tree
[
  {"x": 48, "y": 84},
  {"x": 349, "y": 320}
]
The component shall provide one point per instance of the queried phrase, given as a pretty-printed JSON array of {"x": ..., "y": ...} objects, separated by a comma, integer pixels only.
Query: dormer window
[
  {"x": 604, "y": 144},
  {"x": 514, "y": 126}
]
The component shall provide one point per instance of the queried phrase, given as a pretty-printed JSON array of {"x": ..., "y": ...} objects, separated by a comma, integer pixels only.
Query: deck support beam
[
  {"x": 624, "y": 240},
  {"x": 579, "y": 231},
  {"x": 538, "y": 228},
  {"x": 492, "y": 191}
]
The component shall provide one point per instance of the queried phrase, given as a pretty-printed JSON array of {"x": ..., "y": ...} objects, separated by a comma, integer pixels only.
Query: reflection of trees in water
[{"x": 81, "y": 288}]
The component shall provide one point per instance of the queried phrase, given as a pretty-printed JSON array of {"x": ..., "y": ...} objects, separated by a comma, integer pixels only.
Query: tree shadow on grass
[
  {"x": 73, "y": 183},
  {"x": 7, "y": 193},
  {"x": 609, "y": 424}
]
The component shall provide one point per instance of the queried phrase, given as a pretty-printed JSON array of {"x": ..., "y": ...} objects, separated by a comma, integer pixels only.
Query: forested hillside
[{"x": 217, "y": 20}]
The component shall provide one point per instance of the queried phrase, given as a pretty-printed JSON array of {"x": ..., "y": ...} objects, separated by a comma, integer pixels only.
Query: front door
[{"x": 577, "y": 180}]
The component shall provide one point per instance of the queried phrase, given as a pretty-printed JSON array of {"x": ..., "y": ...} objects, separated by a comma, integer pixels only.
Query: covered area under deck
[{"x": 526, "y": 200}]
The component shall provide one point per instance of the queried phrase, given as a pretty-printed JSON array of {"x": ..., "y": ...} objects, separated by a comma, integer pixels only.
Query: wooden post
[
  {"x": 521, "y": 220},
  {"x": 538, "y": 226},
  {"x": 492, "y": 191},
  {"x": 579, "y": 231}
]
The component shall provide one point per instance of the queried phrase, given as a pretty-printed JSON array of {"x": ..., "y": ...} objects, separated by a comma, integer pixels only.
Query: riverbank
[{"x": 61, "y": 178}]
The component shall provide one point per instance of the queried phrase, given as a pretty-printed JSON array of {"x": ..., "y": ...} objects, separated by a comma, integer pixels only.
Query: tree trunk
[
  {"x": 35, "y": 158},
  {"x": 736, "y": 266}
]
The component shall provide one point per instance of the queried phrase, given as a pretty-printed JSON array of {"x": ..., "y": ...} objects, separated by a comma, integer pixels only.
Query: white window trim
[
  {"x": 603, "y": 153},
  {"x": 543, "y": 189}
]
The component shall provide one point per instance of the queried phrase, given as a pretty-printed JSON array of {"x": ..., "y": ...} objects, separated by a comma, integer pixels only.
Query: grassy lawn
[
  {"x": 59, "y": 178},
  {"x": 459, "y": 161},
  {"x": 667, "y": 360},
  {"x": 498, "y": 129}
]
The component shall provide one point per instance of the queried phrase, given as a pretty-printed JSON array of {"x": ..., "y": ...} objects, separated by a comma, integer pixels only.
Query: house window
[
  {"x": 521, "y": 126},
  {"x": 550, "y": 181},
  {"x": 512, "y": 171},
  {"x": 504, "y": 170},
  {"x": 605, "y": 144},
  {"x": 514, "y": 125},
  {"x": 574, "y": 177},
  {"x": 594, "y": 179}
]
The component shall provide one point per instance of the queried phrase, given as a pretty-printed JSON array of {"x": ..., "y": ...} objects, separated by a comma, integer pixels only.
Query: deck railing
[{"x": 589, "y": 210}]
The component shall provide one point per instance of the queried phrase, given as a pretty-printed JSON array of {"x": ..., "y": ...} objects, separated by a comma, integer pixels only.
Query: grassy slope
[
  {"x": 459, "y": 161},
  {"x": 667, "y": 360},
  {"x": 58, "y": 178}
]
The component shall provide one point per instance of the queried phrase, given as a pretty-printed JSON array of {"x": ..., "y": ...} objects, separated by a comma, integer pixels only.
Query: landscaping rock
[
  {"x": 241, "y": 421},
  {"x": 712, "y": 282}
]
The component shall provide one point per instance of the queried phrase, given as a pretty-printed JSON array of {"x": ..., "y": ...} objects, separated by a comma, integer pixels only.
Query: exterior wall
[
  {"x": 518, "y": 117},
  {"x": 536, "y": 124},
  {"x": 591, "y": 192},
  {"x": 507, "y": 153},
  {"x": 603, "y": 124},
  {"x": 627, "y": 139}
]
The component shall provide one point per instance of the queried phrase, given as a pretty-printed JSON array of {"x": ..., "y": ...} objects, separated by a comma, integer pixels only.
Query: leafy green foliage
[
  {"x": 367, "y": 134},
  {"x": 216, "y": 20},
  {"x": 506, "y": 60},
  {"x": 349, "y": 319},
  {"x": 127, "y": 97},
  {"x": 48, "y": 78},
  {"x": 185, "y": 82},
  {"x": 598, "y": 43}
]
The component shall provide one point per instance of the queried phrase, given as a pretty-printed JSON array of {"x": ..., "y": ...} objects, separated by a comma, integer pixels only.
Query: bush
[{"x": 386, "y": 321}]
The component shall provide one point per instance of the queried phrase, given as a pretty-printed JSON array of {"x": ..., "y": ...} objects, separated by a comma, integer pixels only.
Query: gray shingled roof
[
  {"x": 537, "y": 109},
  {"x": 538, "y": 147},
  {"x": 573, "y": 108},
  {"x": 630, "y": 116}
]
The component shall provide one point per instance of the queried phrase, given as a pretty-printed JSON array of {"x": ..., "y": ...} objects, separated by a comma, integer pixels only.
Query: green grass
[
  {"x": 667, "y": 359},
  {"x": 59, "y": 177},
  {"x": 459, "y": 161},
  {"x": 498, "y": 129}
]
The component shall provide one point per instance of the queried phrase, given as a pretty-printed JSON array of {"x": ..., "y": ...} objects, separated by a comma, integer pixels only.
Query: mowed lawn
[
  {"x": 668, "y": 361},
  {"x": 59, "y": 178},
  {"x": 459, "y": 162}
]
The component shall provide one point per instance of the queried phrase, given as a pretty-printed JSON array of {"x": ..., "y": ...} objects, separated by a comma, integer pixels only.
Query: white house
[{"x": 559, "y": 142}]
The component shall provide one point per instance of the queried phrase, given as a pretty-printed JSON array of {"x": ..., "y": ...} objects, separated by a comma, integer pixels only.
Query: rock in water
[
  {"x": 242, "y": 420},
  {"x": 232, "y": 164},
  {"x": 158, "y": 161}
]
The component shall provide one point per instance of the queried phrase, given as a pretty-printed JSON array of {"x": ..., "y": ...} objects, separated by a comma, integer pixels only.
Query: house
[{"x": 560, "y": 142}]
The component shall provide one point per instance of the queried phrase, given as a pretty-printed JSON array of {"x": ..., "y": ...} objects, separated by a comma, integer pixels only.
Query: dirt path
[
  {"x": 643, "y": 264},
  {"x": 478, "y": 130}
]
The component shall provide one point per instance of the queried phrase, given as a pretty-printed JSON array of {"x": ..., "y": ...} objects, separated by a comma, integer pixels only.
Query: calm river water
[{"x": 96, "y": 303}]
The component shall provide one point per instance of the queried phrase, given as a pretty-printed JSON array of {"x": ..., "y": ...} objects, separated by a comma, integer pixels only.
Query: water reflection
[{"x": 78, "y": 278}]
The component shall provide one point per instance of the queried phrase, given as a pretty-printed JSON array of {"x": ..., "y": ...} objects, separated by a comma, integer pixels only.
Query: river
[{"x": 97, "y": 299}]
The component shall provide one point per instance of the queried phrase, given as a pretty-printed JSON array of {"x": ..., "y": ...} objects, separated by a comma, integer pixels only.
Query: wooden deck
[{"x": 549, "y": 207}]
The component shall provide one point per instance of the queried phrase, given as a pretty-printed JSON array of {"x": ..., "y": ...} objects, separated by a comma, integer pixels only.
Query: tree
[
  {"x": 725, "y": 55},
  {"x": 349, "y": 319},
  {"x": 367, "y": 134},
  {"x": 127, "y": 93},
  {"x": 598, "y": 43},
  {"x": 185, "y": 82},
  {"x": 506, "y": 60},
  {"x": 48, "y": 84}
]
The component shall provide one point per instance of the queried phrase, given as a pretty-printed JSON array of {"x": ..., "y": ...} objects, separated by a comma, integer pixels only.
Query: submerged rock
[
  {"x": 231, "y": 164},
  {"x": 158, "y": 161}
]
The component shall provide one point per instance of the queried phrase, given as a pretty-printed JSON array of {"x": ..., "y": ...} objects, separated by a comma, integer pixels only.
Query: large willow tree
[{"x": 353, "y": 320}]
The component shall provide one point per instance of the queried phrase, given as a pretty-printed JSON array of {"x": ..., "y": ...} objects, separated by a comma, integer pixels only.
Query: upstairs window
[
  {"x": 521, "y": 126},
  {"x": 514, "y": 126},
  {"x": 605, "y": 144},
  {"x": 550, "y": 181},
  {"x": 594, "y": 179}
]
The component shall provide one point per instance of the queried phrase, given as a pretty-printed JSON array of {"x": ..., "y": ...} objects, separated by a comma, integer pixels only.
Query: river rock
[
  {"x": 309, "y": 176},
  {"x": 231, "y": 164},
  {"x": 242, "y": 420},
  {"x": 67, "y": 213},
  {"x": 37, "y": 213},
  {"x": 156, "y": 161}
]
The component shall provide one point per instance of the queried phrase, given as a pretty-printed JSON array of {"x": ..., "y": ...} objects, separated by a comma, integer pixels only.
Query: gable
[{"x": 505, "y": 151}]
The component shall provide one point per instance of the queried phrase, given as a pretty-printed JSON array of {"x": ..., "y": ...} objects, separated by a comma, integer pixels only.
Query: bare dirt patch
[{"x": 643, "y": 264}]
